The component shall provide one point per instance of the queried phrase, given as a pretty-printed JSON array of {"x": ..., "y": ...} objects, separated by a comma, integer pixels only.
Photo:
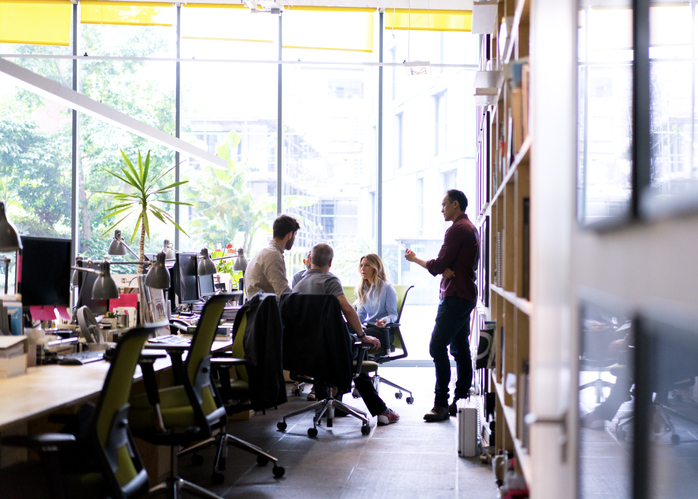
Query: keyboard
[
  {"x": 79, "y": 358},
  {"x": 170, "y": 339}
]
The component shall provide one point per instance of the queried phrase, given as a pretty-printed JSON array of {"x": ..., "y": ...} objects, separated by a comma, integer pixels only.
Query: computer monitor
[
  {"x": 45, "y": 274},
  {"x": 186, "y": 283},
  {"x": 86, "y": 281},
  {"x": 206, "y": 287}
]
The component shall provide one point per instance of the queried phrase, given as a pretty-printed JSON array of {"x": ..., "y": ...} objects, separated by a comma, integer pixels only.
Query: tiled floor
[{"x": 408, "y": 459}]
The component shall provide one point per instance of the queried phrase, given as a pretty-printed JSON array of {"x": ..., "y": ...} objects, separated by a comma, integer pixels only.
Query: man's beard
[{"x": 289, "y": 243}]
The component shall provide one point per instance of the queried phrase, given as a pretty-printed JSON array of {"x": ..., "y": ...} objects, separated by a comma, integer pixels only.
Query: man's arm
[
  {"x": 276, "y": 275},
  {"x": 410, "y": 256},
  {"x": 353, "y": 320}
]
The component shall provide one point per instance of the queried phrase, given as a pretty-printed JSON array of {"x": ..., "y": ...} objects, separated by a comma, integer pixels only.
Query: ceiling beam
[{"x": 65, "y": 96}]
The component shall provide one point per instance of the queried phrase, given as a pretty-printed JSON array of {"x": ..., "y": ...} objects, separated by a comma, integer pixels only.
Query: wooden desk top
[{"x": 45, "y": 389}]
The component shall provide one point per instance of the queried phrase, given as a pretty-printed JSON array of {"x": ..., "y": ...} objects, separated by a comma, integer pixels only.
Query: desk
[{"x": 45, "y": 389}]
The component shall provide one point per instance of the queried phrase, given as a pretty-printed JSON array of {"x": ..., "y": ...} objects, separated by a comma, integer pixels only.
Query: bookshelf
[{"x": 503, "y": 208}]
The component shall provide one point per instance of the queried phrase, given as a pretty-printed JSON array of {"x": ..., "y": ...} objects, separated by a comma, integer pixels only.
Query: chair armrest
[
  {"x": 227, "y": 361},
  {"x": 392, "y": 324}
]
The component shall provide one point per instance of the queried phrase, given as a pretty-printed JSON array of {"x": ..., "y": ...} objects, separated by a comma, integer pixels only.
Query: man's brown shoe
[{"x": 437, "y": 413}]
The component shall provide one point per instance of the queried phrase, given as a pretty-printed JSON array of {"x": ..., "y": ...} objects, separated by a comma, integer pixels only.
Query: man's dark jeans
[{"x": 452, "y": 328}]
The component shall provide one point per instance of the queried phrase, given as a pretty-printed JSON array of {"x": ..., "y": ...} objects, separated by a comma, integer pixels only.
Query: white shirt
[{"x": 267, "y": 272}]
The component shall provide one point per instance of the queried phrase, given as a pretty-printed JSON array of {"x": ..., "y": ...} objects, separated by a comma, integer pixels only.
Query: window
[
  {"x": 440, "y": 123},
  {"x": 399, "y": 131},
  {"x": 419, "y": 206}
]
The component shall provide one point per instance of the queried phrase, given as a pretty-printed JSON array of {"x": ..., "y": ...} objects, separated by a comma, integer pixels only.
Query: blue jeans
[{"x": 452, "y": 329}]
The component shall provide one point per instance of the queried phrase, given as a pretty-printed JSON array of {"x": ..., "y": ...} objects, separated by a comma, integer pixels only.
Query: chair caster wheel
[
  {"x": 217, "y": 478},
  {"x": 675, "y": 439},
  {"x": 312, "y": 432},
  {"x": 278, "y": 471},
  {"x": 197, "y": 460},
  {"x": 410, "y": 400},
  {"x": 365, "y": 430},
  {"x": 398, "y": 395},
  {"x": 297, "y": 392},
  {"x": 262, "y": 461},
  {"x": 281, "y": 426}
]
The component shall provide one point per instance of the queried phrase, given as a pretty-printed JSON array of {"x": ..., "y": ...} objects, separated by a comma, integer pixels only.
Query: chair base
[
  {"x": 221, "y": 441},
  {"x": 398, "y": 394},
  {"x": 326, "y": 408},
  {"x": 174, "y": 487}
]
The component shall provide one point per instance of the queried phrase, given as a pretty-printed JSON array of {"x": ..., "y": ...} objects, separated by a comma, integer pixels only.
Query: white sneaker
[
  {"x": 311, "y": 395},
  {"x": 388, "y": 417}
]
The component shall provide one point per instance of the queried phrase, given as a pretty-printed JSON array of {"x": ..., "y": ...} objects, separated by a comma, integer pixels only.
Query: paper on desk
[{"x": 42, "y": 313}]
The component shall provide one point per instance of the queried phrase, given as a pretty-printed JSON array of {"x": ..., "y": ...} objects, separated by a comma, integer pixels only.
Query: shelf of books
[{"x": 504, "y": 166}]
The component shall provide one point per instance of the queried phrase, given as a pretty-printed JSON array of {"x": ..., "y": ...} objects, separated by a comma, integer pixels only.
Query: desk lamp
[
  {"x": 206, "y": 265},
  {"x": 104, "y": 287},
  {"x": 9, "y": 240},
  {"x": 119, "y": 247}
]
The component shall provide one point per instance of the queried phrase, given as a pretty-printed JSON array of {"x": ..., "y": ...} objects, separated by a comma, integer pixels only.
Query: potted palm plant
[{"x": 142, "y": 199}]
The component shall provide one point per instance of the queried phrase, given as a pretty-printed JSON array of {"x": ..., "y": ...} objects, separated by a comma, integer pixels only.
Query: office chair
[
  {"x": 102, "y": 459},
  {"x": 398, "y": 349},
  {"x": 264, "y": 385},
  {"x": 317, "y": 344},
  {"x": 182, "y": 415}
]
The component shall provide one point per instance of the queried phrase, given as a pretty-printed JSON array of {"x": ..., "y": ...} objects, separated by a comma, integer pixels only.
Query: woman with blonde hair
[{"x": 376, "y": 300}]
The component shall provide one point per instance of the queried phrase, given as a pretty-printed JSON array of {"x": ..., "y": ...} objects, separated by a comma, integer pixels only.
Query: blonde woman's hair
[{"x": 373, "y": 285}]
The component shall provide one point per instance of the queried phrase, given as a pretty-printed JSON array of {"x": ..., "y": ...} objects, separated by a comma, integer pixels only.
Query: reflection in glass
[
  {"x": 605, "y": 403},
  {"x": 674, "y": 167},
  {"x": 605, "y": 111},
  {"x": 672, "y": 426}
]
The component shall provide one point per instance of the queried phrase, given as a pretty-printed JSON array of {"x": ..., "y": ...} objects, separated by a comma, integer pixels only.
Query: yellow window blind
[
  {"x": 127, "y": 13},
  {"x": 428, "y": 20},
  {"x": 32, "y": 22},
  {"x": 227, "y": 22},
  {"x": 329, "y": 28}
]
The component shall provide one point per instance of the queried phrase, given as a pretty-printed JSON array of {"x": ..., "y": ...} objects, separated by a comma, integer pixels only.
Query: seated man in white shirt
[
  {"x": 267, "y": 269},
  {"x": 318, "y": 281}
]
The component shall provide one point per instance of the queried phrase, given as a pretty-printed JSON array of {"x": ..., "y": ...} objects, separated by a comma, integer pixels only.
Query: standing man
[
  {"x": 457, "y": 261},
  {"x": 267, "y": 270}
]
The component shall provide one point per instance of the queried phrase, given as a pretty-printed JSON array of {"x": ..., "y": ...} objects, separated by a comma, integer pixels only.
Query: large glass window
[
  {"x": 140, "y": 88},
  {"x": 230, "y": 109},
  {"x": 329, "y": 157},
  {"x": 429, "y": 147}
]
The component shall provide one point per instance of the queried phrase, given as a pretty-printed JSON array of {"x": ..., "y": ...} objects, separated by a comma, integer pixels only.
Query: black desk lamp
[
  {"x": 9, "y": 240},
  {"x": 206, "y": 265}
]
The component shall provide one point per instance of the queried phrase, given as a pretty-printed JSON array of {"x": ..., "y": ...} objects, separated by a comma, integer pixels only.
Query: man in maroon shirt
[{"x": 457, "y": 262}]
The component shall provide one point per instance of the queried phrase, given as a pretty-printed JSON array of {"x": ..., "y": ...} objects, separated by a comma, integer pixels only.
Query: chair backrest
[
  {"x": 122, "y": 466},
  {"x": 398, "y": 342},
  {"x": 350, "y": 293},
  {"x": 197, "y": 365},
  {"x": 401, "y": 290},
  {"x": 316, "y": 341}
]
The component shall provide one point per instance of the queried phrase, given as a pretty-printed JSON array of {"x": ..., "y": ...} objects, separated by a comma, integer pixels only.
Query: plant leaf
[{"x": 138, "y": 226}]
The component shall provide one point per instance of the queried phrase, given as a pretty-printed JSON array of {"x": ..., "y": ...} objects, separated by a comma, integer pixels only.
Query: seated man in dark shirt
[{"x": 318, "y": 281}]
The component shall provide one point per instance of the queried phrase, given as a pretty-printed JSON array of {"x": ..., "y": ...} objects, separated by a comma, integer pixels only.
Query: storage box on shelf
[{"x": 504, "y": 199}]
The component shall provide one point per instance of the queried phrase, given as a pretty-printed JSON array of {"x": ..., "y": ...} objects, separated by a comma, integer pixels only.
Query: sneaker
[
  {"x": 388, "y": 417},
  {"x": 311, "y": 394},
  {"x": 437, "y": 413}
]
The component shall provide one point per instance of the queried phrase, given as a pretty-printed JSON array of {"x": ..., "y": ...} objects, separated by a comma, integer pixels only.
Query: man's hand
[
  {"x": 410, "y": 256},
  {"x": 371, "y": 340},
  {"x": 449, "y": 274}
]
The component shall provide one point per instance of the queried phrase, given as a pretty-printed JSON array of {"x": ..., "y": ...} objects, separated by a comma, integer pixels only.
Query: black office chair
[
  {"x": 100, "y": 458},
  {"x": 317, "y": 345}
]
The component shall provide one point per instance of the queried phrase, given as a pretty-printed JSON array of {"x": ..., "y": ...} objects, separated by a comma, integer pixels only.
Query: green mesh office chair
[
  {"x": 190, "y": 415},
  {"x": 101, "y": 460},
  {"x": 398, "y": 349}
]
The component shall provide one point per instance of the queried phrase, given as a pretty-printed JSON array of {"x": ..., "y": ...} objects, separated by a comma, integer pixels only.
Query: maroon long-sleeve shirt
[{"x": 460, "y": 253}]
